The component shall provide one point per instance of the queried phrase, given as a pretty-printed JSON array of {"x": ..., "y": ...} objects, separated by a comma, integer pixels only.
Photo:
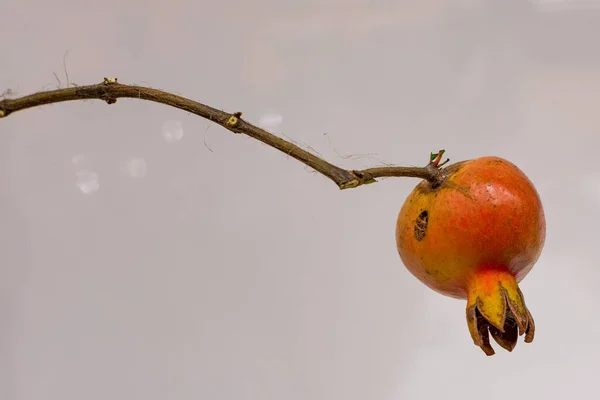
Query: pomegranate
[{"x": 475, "y": 235}]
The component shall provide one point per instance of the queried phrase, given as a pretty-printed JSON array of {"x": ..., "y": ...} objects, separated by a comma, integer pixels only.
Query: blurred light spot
[
  {"x": 270, "y": 121},
  {"x": 136, "y": 168},
  {"x": 87, "y": 181},
  {"x": 172, "y": 131},
  {"x": 80, "y": 161}
]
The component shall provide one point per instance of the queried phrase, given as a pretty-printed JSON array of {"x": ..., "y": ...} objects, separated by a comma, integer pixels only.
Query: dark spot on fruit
[{"x": 421, "y": 225}]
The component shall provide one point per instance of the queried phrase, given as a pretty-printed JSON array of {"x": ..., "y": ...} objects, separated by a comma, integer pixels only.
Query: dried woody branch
[{"x": 110, "y": 90}]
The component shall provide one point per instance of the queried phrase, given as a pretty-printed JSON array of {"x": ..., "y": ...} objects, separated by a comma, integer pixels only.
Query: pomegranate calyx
[{"x": 496, "y": 306}]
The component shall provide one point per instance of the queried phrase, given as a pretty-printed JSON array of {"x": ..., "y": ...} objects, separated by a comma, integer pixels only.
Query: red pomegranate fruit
[{"x": 474, "y": 234}]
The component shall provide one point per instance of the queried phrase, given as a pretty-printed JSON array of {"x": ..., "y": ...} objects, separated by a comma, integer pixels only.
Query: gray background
[{"x": 138, "y": 264}]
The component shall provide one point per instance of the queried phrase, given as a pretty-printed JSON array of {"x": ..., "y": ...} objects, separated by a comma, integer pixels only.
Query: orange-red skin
[{"x": 486, "y": 215}]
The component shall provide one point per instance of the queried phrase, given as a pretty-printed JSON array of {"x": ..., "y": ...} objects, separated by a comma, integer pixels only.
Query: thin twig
[
  {"x": 58, "y": 82},
  {"x": 110, "y": 90},
  {"x": 65, "y": 68}
]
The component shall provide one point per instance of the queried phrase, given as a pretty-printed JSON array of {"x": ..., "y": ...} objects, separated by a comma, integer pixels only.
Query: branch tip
[{"x": 350, "y": 184}]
